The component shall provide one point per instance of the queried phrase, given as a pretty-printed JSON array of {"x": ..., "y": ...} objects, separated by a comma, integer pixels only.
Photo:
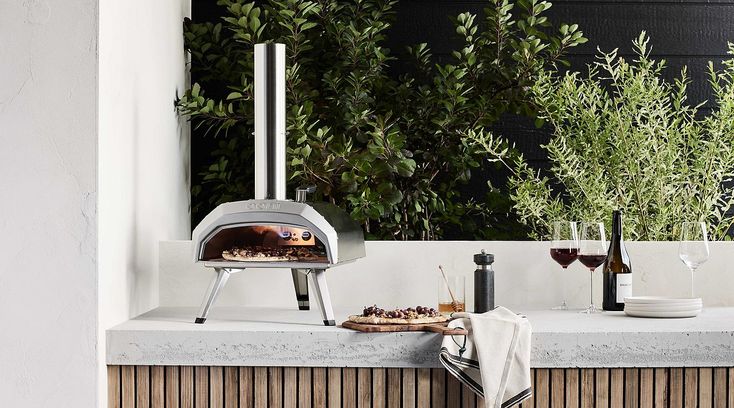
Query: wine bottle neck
[{"x": 617, "y": 226}]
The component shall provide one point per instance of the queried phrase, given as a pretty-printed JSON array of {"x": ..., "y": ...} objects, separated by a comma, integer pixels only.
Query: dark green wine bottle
[{"x": 617, "y": 269}]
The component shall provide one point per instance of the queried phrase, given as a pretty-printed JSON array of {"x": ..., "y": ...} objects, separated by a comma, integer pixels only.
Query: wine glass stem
[
  {"x": 564, "y": 305},
  {"x": 591, "y": 287},
  {"x": 693, "y": 282}
]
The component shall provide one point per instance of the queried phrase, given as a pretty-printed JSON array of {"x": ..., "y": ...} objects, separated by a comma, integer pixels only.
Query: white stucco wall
[
  {"x": 48, "y": 223},
  {"x": 143, "y": 152}
]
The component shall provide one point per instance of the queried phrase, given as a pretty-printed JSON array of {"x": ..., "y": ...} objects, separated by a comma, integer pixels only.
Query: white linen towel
[{"x": 494, "y": 358}]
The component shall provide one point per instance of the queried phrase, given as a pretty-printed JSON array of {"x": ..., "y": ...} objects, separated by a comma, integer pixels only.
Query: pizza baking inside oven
[{"x": 272, "y": 254}]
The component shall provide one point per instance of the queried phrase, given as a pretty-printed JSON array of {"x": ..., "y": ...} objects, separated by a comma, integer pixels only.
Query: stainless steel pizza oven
[{"x": 270, "y": 231}]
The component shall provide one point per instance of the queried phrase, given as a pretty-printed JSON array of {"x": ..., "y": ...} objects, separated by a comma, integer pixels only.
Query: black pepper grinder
[{"x": 483, "y": 282}]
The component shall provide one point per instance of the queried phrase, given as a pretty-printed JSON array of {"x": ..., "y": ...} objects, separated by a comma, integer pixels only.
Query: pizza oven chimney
[{"x": 270, "y": 121}]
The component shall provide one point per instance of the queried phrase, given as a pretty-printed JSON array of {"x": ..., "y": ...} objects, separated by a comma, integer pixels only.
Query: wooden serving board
[{"x": 427, "y": 327}]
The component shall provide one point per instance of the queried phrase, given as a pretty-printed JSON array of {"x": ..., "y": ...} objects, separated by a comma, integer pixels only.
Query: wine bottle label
[{"x": 624, "y": 286}]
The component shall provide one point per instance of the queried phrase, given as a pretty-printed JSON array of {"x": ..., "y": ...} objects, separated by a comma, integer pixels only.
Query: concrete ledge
[{"x": 280, "y": 337}]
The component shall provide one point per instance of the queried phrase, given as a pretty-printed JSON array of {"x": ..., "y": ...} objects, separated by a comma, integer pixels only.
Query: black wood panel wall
[{"x": 683, "y": 32}]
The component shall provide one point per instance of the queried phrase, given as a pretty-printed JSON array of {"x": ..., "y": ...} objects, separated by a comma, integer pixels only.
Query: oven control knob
[{"x": 306, "y": 235}]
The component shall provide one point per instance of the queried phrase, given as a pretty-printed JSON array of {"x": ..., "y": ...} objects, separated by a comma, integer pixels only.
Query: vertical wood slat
[
  {"x": 676, "y": 387},
  {"x": 587, "y": 388},
  {"x": 453, "y": 391},
  {"x": 246, "y": 381},
  {"x": 601, "y": 387},
  {"x": 438, "y": 387},
  {"x": 290, "y": 387},
  {"x": 557, "y": 388},
  {"x": 730, "y": 397},
  {"x": 542, "y": 388},
  {"x": 394, "y": 389},
  {"x": 468, "y": 397},
  {"x": 334, "y": 378},
  {"x": 616, "y": 388},
  {"x": 423, "y": 380},
  {"x": 379, "y": 388},
  {"x": 304, "y": 387},
  {"x": 186, "y": 380},
  {"x": 690, "y": 392},
  {"x": 172, "y": 387},
  {"x": 349, "y": 387},
  {"x": 572, "y": 388},
  {"x": 647, "y": 388},
  {"x": 319, "y": 387},
  {"x": 201, "y": 387},
  {"x": 114, "y": 388},
  {"x": 142, "y": 387},
  {"x": 157, "y": 383},
  {"x": 128, "y": 386},
  {"x": 705, "y": 387},
  {"x": 408, "y": 388},
  {"x": 216, "y": 387},
  {"x": 364, "y": 388},
  {"x": 275, "y": 387},
  {"x": 231, "y": 387},
  {"x": 631, "y": 387},
  {"x": 601, "y": 391},
  {"x": 720, "y": 388},
  {"x": 661, "y": 387},
  {"x": 260, "y": 384}
]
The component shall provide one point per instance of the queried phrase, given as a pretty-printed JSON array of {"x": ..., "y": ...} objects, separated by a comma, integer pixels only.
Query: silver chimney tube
[{"x": 270, "y": 121}]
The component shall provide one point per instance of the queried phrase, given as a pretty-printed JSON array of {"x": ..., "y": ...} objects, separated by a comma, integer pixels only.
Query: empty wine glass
[
  {"x": 592, "y": 253},
  {"x": 694, "y": 247},
  {"x": 564, "y": 249}
]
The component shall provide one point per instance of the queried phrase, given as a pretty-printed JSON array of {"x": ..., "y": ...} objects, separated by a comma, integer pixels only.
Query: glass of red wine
[
  {"x": 592, "y": 253},
  {"x": 564, "y": 249}
]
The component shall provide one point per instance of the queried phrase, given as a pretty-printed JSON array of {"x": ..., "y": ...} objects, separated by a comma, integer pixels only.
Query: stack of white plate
[{"x": 655, "y": 306}]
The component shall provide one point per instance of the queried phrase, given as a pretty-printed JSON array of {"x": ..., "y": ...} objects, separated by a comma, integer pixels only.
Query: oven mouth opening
[{"x": 264, "y": 243}]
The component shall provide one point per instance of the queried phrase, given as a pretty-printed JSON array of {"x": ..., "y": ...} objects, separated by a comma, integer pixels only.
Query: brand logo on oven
[{"x": 263, "y": 206}]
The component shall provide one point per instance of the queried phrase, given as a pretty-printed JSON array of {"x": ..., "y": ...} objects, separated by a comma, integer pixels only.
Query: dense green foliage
[
  {"x": 625, "y": 138},
  {"x": 393, "y": 151}
]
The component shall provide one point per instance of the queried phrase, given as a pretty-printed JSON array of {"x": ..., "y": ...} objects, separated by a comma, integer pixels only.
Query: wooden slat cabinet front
[{"x": 318, "y": 387}]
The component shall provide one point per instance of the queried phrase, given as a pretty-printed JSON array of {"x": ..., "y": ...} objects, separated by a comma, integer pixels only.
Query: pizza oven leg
[
  {"x": 300, "y": 283},
  {"x": 214, "y": 288},
  {"x": 318, "y": 280}
]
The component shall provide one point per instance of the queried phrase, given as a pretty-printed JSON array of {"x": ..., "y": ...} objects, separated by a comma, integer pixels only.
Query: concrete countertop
[{"x": 280, "y": 337}]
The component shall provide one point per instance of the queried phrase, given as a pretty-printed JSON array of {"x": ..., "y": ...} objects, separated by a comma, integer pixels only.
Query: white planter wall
[{"x": 405, "y": 273}]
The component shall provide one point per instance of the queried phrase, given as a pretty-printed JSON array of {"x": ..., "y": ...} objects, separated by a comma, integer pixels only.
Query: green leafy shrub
[
  {"x": 394, "y": 151},
  {"x": 625, "y": 138}
]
